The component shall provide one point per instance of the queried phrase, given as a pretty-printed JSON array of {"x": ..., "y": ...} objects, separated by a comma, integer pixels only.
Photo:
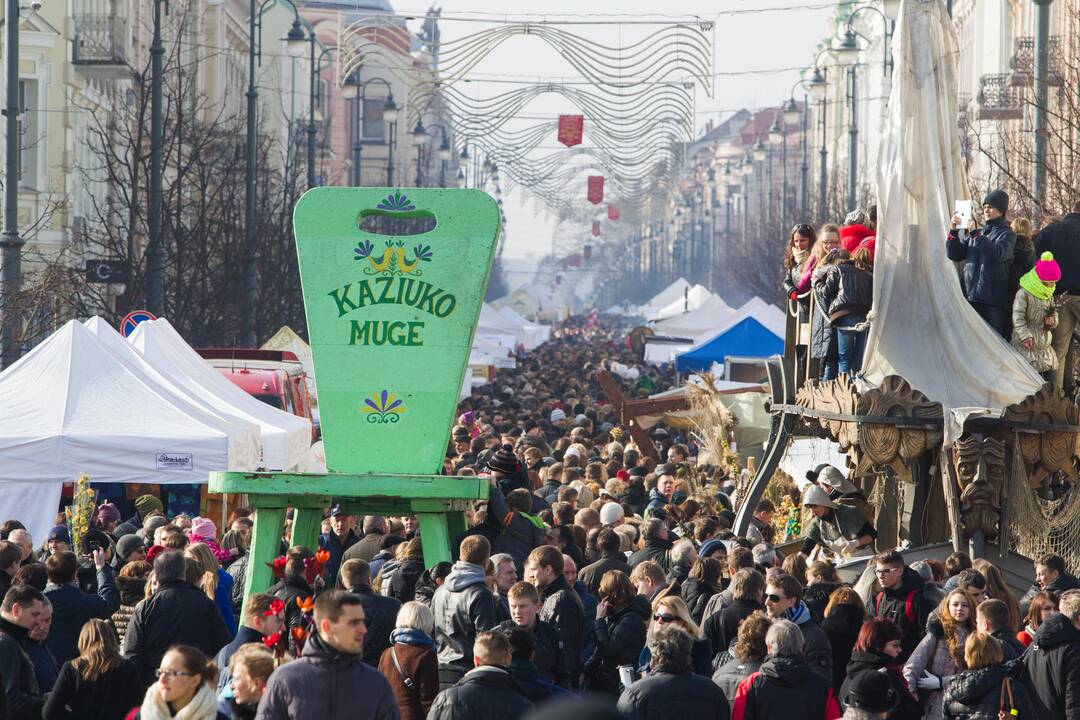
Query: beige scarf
[{"x": 202, "y": 707}]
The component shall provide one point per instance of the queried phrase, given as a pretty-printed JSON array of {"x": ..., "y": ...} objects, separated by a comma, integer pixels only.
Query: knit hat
[
  {"x": 855, "y": 217},
  {"x": 611, "y": 513},
  {"x": 146, "y": 504},
  {"x": 127, "y": 545},
  {"x": 557, "y": 415},
  {"x": 1047, "y": 269},
  {"x": 503, "y": 461},
  {"x": 107, "y": 513},
  {"x": 872, "y": 691},
  {"x": 60, "y": 533},
  {"x": 467, "y": 418},
  {"x": 711, "y": 546},
  {"x": 204, "y": 528},
  {"x": 997, "y": 199}
]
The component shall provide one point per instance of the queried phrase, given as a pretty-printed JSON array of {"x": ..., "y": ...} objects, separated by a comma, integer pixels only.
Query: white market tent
[
  {"x": 665, "y": 297},
  {"x": 532, "y": 334},
  {"x": 710, "y": 315},
  {"x": 695, "y": 297},
  {"x": 244, "y": 442},
  {"x": 285, "y": 437}
]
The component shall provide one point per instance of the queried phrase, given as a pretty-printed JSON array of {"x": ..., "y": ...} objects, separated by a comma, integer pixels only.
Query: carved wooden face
[{"x": 980, "y": 473}]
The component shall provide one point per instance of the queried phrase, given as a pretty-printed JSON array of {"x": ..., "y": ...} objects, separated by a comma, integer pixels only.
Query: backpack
[{"x": 909, "y": 605}]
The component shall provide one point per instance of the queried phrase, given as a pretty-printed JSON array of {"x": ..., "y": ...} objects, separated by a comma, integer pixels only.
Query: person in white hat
[
  {"x": 612, "y": 514},
  {"x": 841, "y": 490},
  {"x": 844, "y": 530}
]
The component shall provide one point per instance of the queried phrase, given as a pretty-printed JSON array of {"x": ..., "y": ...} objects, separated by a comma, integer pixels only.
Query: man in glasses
[
  {"x": 783, "y": 601},
  {"x": 901, "y": 599}
]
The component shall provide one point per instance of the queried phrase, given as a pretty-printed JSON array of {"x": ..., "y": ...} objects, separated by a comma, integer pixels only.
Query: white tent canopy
[
  {"x": 695, "y": 297},
  {"x": 709, "y": 316},
  {"x": 285, "y": 437},
  {"x": 665, "y": 297},
  {"x": 70, "y": 408},
  {"x": 245, "y": 446}
]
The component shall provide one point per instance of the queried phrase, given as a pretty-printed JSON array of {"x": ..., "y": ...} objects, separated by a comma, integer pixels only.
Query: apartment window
[
  {"x": 29, "y": 134},
  {"x": 373, "y": 118}
]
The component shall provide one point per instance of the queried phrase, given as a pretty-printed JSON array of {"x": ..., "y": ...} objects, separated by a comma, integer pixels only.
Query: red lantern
[
  {"x": 570, "y": 128},
  {"x": 596, "y": 228},
  {"x": 612, "y": 212},
  {"x": 596, "y": 189}
]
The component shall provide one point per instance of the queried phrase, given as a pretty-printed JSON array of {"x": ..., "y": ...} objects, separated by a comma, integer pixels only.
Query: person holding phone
[{"x": 987, "y": 254}]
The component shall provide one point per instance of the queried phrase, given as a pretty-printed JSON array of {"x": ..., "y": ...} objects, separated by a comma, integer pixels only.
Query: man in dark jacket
[
  {"x": 748, "y": 589},
  {"x": 71, "y": 606},
  {"x": 340, "y": 538},
  {"x": 562, "y": 608},
  {"x": 987, "y": 253},
  {"x": 262, "y": 618},
  {"x": 992, "y": 618},
  {"x": 330, "y": 681},
  {"x": 657, "y": 545},
  {"x": 1051, "y": 666},
  {"x": 380, "y": 613},
  {"x": 902, "y": 599},
  {"x": 177, "y": 613},
  {"x": 548, "y": 656},
  {"x": 783, "y": 601},
  {"x": 519, "y": 532},
  {"x": 1050, "y": 576},
  {"x": 1062, "y": 238},
  {"x": 785, "y": 686},
  {"x": 487, "y": 692},
  {"x": 375, "y": 529},
  {"x": 22, "y": 607},
  {"x": 145, "y": 506},
  {"x": 293, "y": 586},
  {"x": 463, "y": 607},
  {"x": 611, "y": 558},
  {"x": 673, "y": 690}
]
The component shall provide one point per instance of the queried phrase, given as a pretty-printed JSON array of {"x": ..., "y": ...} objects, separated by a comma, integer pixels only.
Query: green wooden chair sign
[{"x": 393, "y": 282}]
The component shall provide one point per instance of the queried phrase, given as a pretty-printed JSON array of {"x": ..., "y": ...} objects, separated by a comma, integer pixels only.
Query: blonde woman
[
  {"x": 97, "y": 685},
  {"x": 214, "y": 581},
  {"x": 672, "y": 610},
  {"x": 185, "y": 689}
]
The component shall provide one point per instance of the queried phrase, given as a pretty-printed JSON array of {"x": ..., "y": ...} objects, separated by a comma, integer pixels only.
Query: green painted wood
[
  {"x": 391, "y": 319},
  {"x": 305, "y": 527},
  {"x": 265, "y": 544},
  {"x": 435, "y": 532},
  {"x": 351, "y": 485}
]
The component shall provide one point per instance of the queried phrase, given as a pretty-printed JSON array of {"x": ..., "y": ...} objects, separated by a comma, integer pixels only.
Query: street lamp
[
  {"x": 791, "y": 111},
  {"x": 846, "y": 48},
  {"x": 776, "y": 133},
  {"x": 760, "y": 151},
  {"x": 817, "y": 85},
  {"x": 155, "y": 252},
  {"x": 845, "y": 56},
  {"x": 443, "y": 153},
  {"x": 419, "y": 137},
  {"x": 356, "y": 91},
  {"x": 314, "y": 99}
]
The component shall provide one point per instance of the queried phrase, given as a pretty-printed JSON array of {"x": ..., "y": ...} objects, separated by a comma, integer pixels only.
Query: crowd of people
[
  {"x": 597, "y": 580},
  {"x": 1024, "y": 284}
]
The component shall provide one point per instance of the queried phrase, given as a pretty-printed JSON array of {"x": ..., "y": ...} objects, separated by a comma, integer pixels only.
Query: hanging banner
[
  {"x": 612, "y": 213},
  {"x": 596, "y": 228},
  {"x": 596, "y": 189},
  {"x": 570, "y": 129}
]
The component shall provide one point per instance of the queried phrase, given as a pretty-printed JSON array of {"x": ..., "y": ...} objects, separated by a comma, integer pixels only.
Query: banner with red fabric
[
  {"x": 596, "y": 189},
  {"x": 612, "y": 212},
  {"x": 596, "y": 228},
  {"x": 570, "y": 129}
]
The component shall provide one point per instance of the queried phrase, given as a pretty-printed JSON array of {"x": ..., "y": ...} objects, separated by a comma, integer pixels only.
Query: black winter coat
[
  {"x": 1061, "y": 583},
  {"x": 723, "y": 627},
  {"x": 380, "y": 616},
  {"x": 72, "y": 608},
  {"x": 657, "y": 550},
  {"x": 463, "y": 607},
  {"x": 817, "y": 649},
  {"x": 23, "y": 695},
  {"x": 238, "y": 570},
  {"x": 402, "y": 586},
  {"x": 842, "y": 628},
  {"x": 1063, "y": 239},
  {"x": 485, "y": 693},
  {"x": 548, "y": 658},
  {"x": 987, "y": 254},
  {"x": 517, "y": 535},
  {"x": 976, "y": 695},
  {"x": 592, "y": 574},
  {"x": 619, "y": 639},
  {"x": 336, "y": 547},
  {"x": 563, "y": 610},
  {"x": 847, "y": 290},
  {"x": 697, "y": 594},
  {"x": 731, "y": 673},
  {"x": 784, "y": 688},
  {"x": 674, "y": 696},
  {"x": 816, "y": 598},
  {"x": 110, "y": 697},
  {"x": 1051, "y": 669},
  {"x": 290, "y": 589},
  {"x": 893, "y": 605},
  {"x": 909, "y": 708},
  {"x": 177, "y": 613}
]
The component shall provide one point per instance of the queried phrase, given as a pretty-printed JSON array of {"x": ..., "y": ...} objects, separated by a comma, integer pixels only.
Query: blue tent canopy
[{"x": 746, "y": 338}]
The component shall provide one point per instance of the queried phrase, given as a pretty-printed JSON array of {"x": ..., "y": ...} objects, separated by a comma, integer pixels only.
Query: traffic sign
[
  {"x": 132, "y": 320},
  {"x": 106, "y": 271}
]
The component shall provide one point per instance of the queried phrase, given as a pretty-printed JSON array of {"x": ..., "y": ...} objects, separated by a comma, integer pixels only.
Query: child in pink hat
[
  {"x": 1035, "y": 315},
  {"x": 204, "y": 530}
]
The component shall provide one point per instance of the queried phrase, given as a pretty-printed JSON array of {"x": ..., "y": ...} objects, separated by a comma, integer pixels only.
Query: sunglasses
[
  {"x": 775, "y": 598},
  {"x": 664, "y": 618}
]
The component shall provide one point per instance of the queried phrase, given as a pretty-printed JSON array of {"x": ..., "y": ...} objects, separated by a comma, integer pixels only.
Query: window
[
  {"x": 373, "y": 118},
  {"x": 29, "y": 139}
]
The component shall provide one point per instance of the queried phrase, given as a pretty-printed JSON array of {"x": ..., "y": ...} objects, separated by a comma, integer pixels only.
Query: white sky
[{"x": 755, "y": 36}]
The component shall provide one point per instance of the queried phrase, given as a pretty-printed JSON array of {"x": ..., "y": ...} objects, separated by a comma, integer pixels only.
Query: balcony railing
[
  {"x": 1023, "y": 62},
  {"x": 999, "y": 99},
  {"x": 100, "y": 40}
]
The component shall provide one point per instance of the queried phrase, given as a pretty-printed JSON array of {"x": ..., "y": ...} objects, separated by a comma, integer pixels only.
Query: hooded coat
[
  {"x": 842, "y": 628},
  {"x": 976, "y": 695},
  {"x": 987, "y": 255},
  {"x": 892, "y": 604},
  {"x": 909, "y": 708},
  {"x": 619, "y": 639},
  {"x": 1051, "y": 669},
  {"x": 463, "y": 607},
  {"x": 327, "y": 684},
  {"x": 1029, "y": 315},
  {"x": 781, "y": 686},
  {"x": 401, "y": 583},
  {"x": 666, "y": 695},
  {"x": 656, "y": 549}
]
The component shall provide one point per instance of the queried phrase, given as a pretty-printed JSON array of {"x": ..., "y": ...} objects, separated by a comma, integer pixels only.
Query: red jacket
[
  {"x": 852, "y": 235},
  {"x": 781, "y": 685}
]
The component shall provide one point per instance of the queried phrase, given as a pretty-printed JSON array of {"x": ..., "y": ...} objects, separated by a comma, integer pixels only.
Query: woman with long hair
[
  {"x": 844, "y": 615},
  {"x": 940, "y": 654},
  {"x": 878, "y": 648},
  {"x": 621, "y": 619},
  {"x": 746, "y": 656},
  {"x": 1043, "y": 605},
  {"x": 699, "y": 587},
  {"x": 99, "y": 684},
  {"x": 998, "y": 589},
  {"x": 185, "y": 689},
  {"x": 131, "y": 582},
  {"x": 798, "y": 266},
  {"x": 821, "y": 580},
  {"x": 672, "y": 609},
  {"x": 214, "y": 581}
]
